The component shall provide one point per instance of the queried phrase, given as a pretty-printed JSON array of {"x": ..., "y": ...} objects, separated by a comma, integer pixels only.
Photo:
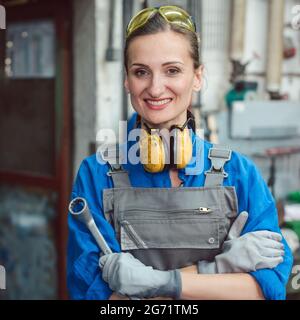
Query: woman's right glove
[
  {"x": 128, "y": 276},
  {"x": 249, "y": 252}
]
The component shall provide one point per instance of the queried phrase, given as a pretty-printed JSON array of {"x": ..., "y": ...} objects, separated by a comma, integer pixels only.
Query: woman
[{"x": 188, "y": 230}]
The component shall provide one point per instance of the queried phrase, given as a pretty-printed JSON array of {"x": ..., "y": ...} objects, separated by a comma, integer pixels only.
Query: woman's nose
[{"x": 156, "y": 86}]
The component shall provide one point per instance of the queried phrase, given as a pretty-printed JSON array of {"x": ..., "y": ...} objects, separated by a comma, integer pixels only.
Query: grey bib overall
[{"x": 170, "y": 228}]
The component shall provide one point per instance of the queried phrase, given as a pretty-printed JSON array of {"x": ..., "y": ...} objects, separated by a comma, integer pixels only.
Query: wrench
[{"x": 80, "y": 211}]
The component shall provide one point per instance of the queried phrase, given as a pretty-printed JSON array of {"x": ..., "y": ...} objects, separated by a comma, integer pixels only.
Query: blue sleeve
[
  {"x": 255, "y": 197},
  {"x": 84, "y": 279}
]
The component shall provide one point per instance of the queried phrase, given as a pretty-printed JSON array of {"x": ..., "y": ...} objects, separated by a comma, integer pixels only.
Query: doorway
[{"x": 35, "y": 147}]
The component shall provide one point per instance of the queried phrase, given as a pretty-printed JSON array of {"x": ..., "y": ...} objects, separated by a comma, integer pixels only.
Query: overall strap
[
  {"x": 216, "y": 174},
  {"x": 112, "y": 156}
]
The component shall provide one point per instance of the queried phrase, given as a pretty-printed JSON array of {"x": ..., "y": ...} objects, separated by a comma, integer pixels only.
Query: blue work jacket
[{"x": 84, "y": 277}]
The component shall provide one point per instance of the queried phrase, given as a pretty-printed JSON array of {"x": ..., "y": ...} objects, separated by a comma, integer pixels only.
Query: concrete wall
[
  {"x": 215, "y": 27},
  {"x": 109, "y": 74},
  {"x": 84, "y": 81},
  {"x": 97, "y": 82}
]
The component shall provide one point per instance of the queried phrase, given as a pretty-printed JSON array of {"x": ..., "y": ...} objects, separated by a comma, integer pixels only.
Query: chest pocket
[{"x": 172, "y": 229}]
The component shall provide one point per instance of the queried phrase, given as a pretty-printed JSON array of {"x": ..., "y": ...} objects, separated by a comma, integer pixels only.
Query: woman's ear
[
  {"x": 198, "y": 79},
  {"x": 126, "y": 84}
]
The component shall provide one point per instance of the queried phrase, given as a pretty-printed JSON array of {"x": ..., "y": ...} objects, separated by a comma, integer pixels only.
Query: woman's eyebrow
[
  {"x": 164, "y": 64},
  {"x": 172, "y": 62},
  {"x": 139, "y": 65}
]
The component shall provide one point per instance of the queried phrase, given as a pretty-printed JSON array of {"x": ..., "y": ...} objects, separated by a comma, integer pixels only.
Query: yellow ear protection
[{"x": 165, "y": 149}]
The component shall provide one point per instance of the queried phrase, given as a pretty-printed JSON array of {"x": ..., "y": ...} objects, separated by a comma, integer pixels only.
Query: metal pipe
[
  {"x": 275, "y": 45},
  {"x": 111, "y": 53},
  {"x": 127, "y": 8},
  {"x": 195, "y": 9},
  {"x": 238, "y": 29}
]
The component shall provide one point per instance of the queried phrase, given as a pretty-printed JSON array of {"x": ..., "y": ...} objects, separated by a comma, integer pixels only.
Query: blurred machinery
[{"x": 256, "y": 119}]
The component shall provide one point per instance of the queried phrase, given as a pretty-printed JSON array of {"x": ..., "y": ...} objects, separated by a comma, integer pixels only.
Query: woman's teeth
[{"x": 158, "y": 103}]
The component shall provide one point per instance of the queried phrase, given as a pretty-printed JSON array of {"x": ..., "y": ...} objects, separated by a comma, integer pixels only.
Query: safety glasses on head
[{"x": 171, "y": 14}]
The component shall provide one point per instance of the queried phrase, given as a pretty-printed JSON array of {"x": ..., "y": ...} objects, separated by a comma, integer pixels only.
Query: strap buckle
[
  {"x": 110, "y": 152},
  {"x": 115, "y": 169},
  {"x": 218, "y": 159}
]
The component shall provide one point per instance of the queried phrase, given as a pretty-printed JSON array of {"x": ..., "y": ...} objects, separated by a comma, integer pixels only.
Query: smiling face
[{"x": 161, "y": 78}]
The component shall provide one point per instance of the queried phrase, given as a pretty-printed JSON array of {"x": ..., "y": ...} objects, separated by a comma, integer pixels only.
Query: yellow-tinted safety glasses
[{"x": 171, "y": 14}]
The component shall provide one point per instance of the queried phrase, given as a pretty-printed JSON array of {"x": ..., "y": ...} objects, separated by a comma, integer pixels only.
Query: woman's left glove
[{"x": 128, "y": 276}]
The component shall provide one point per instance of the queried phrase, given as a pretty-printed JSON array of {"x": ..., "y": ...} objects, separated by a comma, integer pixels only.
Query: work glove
[
  {"x": 249, "y": 252},
  {"x": 128, "y": 276}
]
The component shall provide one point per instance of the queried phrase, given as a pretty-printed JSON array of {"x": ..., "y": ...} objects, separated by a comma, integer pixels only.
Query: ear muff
[
  {"x": 182, "y": 148},
  {"x": 159, "y": 152},
  {"x": 152, "y": 151}
]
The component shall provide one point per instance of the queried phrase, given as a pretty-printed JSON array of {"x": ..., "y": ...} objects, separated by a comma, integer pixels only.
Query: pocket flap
[{"x": 189, "y": 233}]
